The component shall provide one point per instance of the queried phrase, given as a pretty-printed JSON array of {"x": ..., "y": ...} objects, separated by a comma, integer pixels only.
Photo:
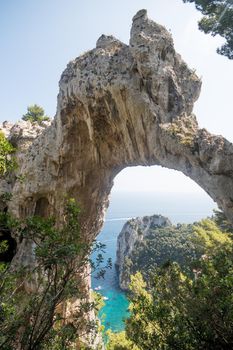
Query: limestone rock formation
[
  {"x": 133, "y": 232},
  {"x": 119, "y": 105}
]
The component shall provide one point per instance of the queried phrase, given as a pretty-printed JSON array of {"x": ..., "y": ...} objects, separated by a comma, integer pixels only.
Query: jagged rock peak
[
  {"x": 140, "y": 15},
  {"x": 151, "y": 45},
  {"x": 107, "y": 40},
  {"x": 143, "y": 27}
]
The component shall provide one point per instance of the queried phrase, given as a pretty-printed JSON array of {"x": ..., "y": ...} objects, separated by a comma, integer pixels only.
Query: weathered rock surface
[
  {"x": 21, "y": 135},
  {"x": 119, "y": 105},
  {"x": 133, "y": 232}
]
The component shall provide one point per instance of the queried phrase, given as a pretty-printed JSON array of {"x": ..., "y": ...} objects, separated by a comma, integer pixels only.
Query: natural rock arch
[{"x": 123, "y": 105}]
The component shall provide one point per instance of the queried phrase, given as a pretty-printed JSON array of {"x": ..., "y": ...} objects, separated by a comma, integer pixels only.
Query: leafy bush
[
  {"x": 187, "y": 308},
  {"x": 32, "y": 298},
  {"x": 7, "y": 162},
  {"x": 162, "y": 244},
  {"x": 119, "y": 341},
  {"x": 35, "y": 114}
]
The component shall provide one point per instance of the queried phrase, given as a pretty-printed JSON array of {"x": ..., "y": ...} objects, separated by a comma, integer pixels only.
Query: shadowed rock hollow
[{"x": 119, "y": 105}]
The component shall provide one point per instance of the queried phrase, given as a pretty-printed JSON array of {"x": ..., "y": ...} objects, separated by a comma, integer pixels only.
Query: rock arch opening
[{"x": 139, "y": 192}]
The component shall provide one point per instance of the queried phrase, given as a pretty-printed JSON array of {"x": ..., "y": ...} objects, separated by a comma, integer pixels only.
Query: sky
[{"x": 39, "y": 38}]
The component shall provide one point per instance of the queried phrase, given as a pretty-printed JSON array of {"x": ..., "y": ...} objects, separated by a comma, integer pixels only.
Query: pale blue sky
[{"x": 38, "y": 38}]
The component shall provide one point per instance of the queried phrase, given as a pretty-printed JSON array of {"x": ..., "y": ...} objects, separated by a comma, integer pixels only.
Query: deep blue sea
[{"x": 179, "y": 208}]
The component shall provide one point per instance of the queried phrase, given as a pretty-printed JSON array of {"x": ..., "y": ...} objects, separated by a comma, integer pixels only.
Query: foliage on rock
[
  {"x": 187, "y": 308},
  {"x": 162, "y": 245},
  {"x": 33, "y": 299},
  {"x": 183, "y": 129},
  {"x": 7, "y": 161},
  {"x": 222, "y": 222},
  {"x": 35, "y": 114},
  {"x": 119, "y": 341},
  {"x": 99, "y": 301}
]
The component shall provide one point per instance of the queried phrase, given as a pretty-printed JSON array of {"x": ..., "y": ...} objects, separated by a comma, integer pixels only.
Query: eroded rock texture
[{"x": 120, "y": 105}]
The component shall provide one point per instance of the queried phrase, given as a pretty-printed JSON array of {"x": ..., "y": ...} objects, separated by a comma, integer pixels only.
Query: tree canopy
[
  {"x": 36, "y": 114},
  {"x": 187, "y": 306},
  {"x": 161, "y": 244},
  {"x": 218, "y": 19},
  {"x": 179, "y": 310},
  {"x": 119, "y": 341}
]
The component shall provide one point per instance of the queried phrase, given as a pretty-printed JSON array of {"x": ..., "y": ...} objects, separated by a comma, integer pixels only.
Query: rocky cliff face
[
  {"x": 133, "y": 232},
  {"x": 118, "y": 105}
]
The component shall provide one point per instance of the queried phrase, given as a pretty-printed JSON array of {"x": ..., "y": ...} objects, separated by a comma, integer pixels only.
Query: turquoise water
[
  {"x": 115, "y": 309},
  {"x": 183, "y": 208}
]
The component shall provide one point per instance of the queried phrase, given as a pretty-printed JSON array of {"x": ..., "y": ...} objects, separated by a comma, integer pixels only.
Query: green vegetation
[
  {"x": 222, "y": 222},
  {"x": 162, "y": 244},
  {"x": 33, "y": 298},
  {"x": 35, "y": 114},
  {"x": 218, "y": 19},
  {"x": 98, "y": 300},
  {"x": 174, "y": 311},
  {"x": 208, "y": 237},
  {"x": 174, "y": 244},
  {"x": 187, "y": 306},
  {"x": 119, "y": 341},
  {"x": 182, "y": 313},
  {"x": 183, "y": 130},
  {"x": 7, "y": 161},
  {"x": 5, "y": 197}
]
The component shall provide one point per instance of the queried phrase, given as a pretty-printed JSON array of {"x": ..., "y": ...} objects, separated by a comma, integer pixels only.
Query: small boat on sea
[{"x": 98, "y": 288}]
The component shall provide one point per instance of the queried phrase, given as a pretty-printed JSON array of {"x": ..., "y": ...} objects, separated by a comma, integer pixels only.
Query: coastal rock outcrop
[
  {"x": 119, "y": 105},
  {"x": 134, "y": 231}
]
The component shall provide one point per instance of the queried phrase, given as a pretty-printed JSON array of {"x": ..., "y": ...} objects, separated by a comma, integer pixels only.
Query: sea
[{"x": 178, "y": 207}]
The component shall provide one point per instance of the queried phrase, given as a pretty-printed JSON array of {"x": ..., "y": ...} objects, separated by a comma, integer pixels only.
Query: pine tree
[
  {"x": 218, "y": 19},
  {"x": 34, "y": 114}
]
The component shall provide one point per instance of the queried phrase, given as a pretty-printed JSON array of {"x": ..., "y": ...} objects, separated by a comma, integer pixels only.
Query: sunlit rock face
[{"x": 121, "y": 105}]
